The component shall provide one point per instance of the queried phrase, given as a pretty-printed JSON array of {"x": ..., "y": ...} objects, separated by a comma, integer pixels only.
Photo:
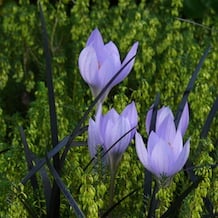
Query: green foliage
[{"x": 168, "y": 54}]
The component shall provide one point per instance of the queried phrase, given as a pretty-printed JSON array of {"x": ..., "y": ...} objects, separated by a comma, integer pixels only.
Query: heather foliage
[{"x": 168, "y": 53}]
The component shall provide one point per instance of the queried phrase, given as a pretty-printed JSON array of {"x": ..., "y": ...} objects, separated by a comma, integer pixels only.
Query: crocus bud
[{"x": 99, "y": 62}]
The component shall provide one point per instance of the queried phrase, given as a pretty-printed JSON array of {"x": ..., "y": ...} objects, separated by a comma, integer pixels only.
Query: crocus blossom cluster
[
  {"x": 113, "y": 132},
  {"x": 165, "y": 154},
  {"x": 99, "y": 62}
]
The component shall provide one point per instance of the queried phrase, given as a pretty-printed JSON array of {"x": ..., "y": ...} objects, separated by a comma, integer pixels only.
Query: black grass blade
[
  {"x": 49, "y": 81},
  {"x": 54, "y": 208},
  {"x": 186, "y": 93},
  {"x": 208, "y": 204},
  {"x": 42, "y": 161},
  {"x": 154, "y": 113},
  {"x": 50, "y": 154},
  {"x": 46, "y": 186},
  {"x": 190, "y": 86},
  {"x": 209, "y": 119},
  {"x": 64, "y": 190},
  {"x": 29, "y": 158}
]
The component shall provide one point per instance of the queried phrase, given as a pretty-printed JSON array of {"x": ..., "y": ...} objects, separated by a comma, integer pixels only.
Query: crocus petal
[
  {"x": 93, "y": 139},
  {"x": 160, "y": 159},
  {"x": 113, "y": 54},
  {"x": 111, "y": 115},
  {"x": 184, "y": 120},
  {"x": 141, "y": 150},
  {"x": 88, "y": 65},
  {"x": 167, "y": 129},
  {"x": 162, "y": 114},
  {"x": 153, "y": 139},
  {"x": 182, "y": 158},
  {"x": 115, "y": 130},
  {"x": 129, "y": 66},
  {"x": 177, "y": 144},
  {"x": 95, "y": 39},
  {"x": 106, "y": 72},
  {"x": 130, "y": 113}
]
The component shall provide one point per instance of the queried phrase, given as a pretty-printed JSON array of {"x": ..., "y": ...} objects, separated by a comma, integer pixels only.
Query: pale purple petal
[
  {"x": 122, "y": 127},
  {"x": 88, "y": 65},
  {"x": 130, "y": 113},
  {"x": 95, "y": 39},
  {"x": 182, "y": 158},
  {"x": 112, "y": 115},
  {"x": 128, "y": 68},
  {"x": 167, "y": 129},
  {"x": 114, "y": 132},
  {"x": 177, "y": 144},
  {"x": 113, "y": 53},
  {"x": 162, "y": 114},
  {"x": 141, "y": 150},
  {"x": 106, "y": 72},
  {"x": 160, "y": 159},
  {"x": 93, "y": 138},
  {"x": 153, "y": 139},
  {"x": 184, "y": 120}
]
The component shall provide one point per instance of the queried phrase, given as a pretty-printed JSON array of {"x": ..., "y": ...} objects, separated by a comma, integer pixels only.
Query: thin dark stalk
[
  {"x": 54, "y": 207},
  {"x": 190, "y": 86},
  {"x": 65, "y": 191},
  {"x": 29, "y": 160},
  {"x": 209, "y": 119},
  {"x": 208, "y": 204}
]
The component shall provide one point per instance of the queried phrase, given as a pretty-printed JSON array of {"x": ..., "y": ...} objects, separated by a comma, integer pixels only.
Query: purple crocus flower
[
  {"x": 99, "y": 62},
  {"x": 165, "y": 154},
  {"x": 108, "y": 129}
]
